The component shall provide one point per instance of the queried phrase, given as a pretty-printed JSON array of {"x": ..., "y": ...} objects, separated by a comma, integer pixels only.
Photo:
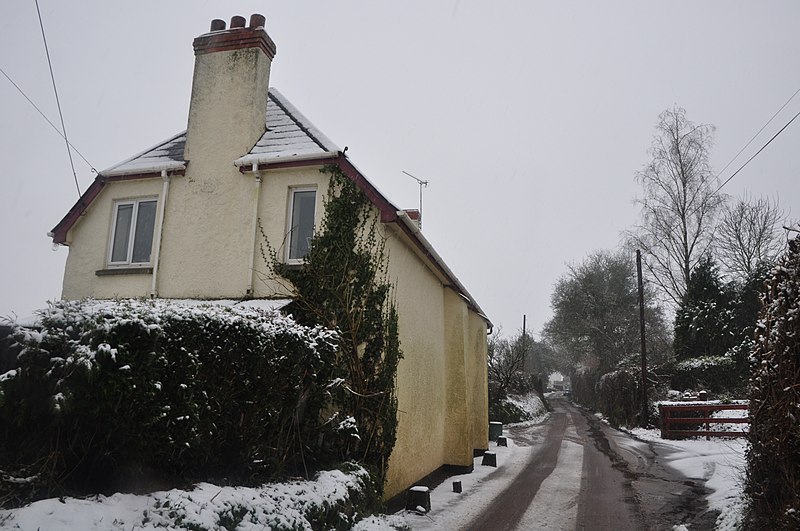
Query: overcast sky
[{"x": 529, "y": 119}]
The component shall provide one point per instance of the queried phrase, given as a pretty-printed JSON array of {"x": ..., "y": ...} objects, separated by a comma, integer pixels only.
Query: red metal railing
[{"x": 675, "y": 415}]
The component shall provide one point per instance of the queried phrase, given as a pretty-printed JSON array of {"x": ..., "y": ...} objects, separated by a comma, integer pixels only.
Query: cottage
[{"x": 183, "y": 219}]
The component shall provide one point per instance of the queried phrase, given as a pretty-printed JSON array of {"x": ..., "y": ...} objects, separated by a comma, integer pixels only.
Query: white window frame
[
  {"x": 132, "y": 232},
  {"x": 290, "y": 213}
]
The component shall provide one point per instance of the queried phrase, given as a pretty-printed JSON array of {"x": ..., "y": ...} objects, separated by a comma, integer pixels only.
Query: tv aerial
[{"x": 422, "y": 184}]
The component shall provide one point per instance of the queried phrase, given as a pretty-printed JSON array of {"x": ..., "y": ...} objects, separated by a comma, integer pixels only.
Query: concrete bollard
[
  {"x": 418, "y": 497},
  {"x": 457, "y": 487},
  {"x": 495, "y": 430},
  {"x": 489, "y": 459},
  {"x": 502, "y": 441}
]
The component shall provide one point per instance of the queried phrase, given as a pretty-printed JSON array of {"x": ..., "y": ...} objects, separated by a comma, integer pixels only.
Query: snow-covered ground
[
  {"x": 208, "y": 506},
  {"x": 722, "y": 462}
]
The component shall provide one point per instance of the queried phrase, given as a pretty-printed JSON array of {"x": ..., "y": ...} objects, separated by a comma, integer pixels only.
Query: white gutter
[
  {"x": 264, "y": 159},
  {"x": 402, "y": 216},
  {"x": 159, "y": 226},
  {"x": 135, "y": 169},
  {"x": 251, "y": 270}
]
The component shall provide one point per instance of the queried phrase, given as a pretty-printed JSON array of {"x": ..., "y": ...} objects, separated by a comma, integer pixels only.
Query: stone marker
[
  {"x": 418, "y": 496},
  {"x": 489, "y": 459},
  {"x": 457, "y": 486},
  {"x": 502, "y": 441}
]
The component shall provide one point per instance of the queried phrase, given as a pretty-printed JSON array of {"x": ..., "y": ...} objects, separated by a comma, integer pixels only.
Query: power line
[
  {"x": 56, "y": 129},
  {"x": 757, "y": 152},
  {"x": 58, "y": 103},
  {"x": 759, "y": 132}
]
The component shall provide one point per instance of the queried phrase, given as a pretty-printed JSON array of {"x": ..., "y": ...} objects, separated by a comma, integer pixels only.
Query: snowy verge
[
  {"x": 449, "y": 510},
  {"x": 531, "y": 404},
  {"x": 720, "y": 463},
  {"x": 290, "y": 505}
]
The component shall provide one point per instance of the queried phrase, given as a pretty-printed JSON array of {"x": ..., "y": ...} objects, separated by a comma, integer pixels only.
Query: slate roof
[
  {"x": 168, "y": 155},
  {"x": 289, "y": 136}
]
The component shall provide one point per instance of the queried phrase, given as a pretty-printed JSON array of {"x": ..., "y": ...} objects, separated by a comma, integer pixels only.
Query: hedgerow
[
  {"x": 122, "y": 394},
  {"x": 773, "y": 459}
]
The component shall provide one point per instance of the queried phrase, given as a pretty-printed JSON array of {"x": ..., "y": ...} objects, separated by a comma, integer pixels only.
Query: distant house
[{"x": 181, "y": 220}]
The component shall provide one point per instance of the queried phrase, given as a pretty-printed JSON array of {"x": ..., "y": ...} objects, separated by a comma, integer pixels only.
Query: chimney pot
[
  {"x": 257, "y": 21},
  {"x": 238, "y": 22},
  {"x": 217, "y": 25}
]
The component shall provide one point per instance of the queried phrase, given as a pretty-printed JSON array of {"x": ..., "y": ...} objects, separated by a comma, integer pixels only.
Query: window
[
  {"x": 132, "y": 235},
  {"x": 302, "y": 204}
]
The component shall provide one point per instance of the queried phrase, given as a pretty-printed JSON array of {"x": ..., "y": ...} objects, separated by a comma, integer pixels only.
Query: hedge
[{"x": 126, "y": 394}]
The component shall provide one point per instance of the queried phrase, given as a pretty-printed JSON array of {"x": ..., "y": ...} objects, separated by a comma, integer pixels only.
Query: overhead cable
[
  {"x": 58, "y": 103},
  {"x": 759, "y": 131},
  {"x": 56, "y": 129},
  {"x": 757, "y": 152}
]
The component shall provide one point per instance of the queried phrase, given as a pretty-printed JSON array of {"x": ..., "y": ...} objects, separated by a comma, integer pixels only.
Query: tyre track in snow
[
  {"x": 584, "y": 475},
  {"x": 512, "y": 504}
]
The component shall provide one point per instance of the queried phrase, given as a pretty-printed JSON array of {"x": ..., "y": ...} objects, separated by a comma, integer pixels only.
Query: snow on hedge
[
  {"x": 291, "y": 505},
  {"x": 105, "y": 391}
]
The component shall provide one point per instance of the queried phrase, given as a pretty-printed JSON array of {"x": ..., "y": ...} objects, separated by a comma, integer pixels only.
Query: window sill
[
  {"x": 124, "y": 271},
  {"x": 294, "y": 266}
]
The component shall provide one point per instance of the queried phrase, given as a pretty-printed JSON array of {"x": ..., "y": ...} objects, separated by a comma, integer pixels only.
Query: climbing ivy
[{"x": 343, "y": 285}]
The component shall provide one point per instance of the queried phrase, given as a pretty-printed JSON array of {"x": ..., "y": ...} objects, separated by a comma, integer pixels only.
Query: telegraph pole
[{"x": 644, "y": 342}]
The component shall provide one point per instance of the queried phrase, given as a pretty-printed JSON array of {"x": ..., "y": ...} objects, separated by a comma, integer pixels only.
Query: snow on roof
[
  {"x": 289, "y": 135},
  {"x": 166, "y": 155}
]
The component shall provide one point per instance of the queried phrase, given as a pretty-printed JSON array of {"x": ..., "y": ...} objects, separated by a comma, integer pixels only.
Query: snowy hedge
[
  {"x": 123, "y": 394},
  {"x": 334, "y": 499},
  {"x": 773, "y": 460}
]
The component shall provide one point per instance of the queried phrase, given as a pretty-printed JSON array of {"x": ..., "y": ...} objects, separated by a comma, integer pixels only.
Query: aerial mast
[{"x": 422, "y": 184}]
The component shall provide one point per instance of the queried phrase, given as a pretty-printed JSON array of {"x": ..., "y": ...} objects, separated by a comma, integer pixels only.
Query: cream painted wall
[
  {"x": 458, "y": 440},
  {"x": 273, "y": 213},
  {"x": 477, "y": 381},
  {"x": 89, "y": 246},
  {"x": 421, "y": 388}
]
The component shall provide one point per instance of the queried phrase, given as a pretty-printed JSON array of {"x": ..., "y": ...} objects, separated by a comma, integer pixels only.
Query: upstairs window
[
  {"x": 302, "y": 206},
  {"x": 132, "y": 235}
]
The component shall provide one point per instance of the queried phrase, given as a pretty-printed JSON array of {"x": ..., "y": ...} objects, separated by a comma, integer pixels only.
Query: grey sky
[{"x": 530, "y": 119}]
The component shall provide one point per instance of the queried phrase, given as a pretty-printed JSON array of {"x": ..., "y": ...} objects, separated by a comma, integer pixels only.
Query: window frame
[
  {"x": 135, "y": 202},
  {"x": 290, "y": 214}
]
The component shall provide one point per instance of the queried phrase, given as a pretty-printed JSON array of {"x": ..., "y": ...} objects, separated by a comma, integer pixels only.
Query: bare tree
[
  {"x": 679, "y": 202},
  {"x": 506, "y": 359},
  {"x": 749, "y": 232}
]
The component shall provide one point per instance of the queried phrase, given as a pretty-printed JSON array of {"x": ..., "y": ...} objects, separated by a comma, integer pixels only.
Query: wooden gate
[{"x": 673, "y": 416}]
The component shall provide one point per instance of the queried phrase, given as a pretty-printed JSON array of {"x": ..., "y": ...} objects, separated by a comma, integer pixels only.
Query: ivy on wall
[{"x": 343, "y": 285}]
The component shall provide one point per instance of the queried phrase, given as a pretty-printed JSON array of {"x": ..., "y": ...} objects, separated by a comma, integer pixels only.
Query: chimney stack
[{"x": 228, "y": 106}]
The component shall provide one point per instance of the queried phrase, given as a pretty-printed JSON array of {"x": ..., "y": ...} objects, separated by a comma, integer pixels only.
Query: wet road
[{"x": 585, "y": 475}]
